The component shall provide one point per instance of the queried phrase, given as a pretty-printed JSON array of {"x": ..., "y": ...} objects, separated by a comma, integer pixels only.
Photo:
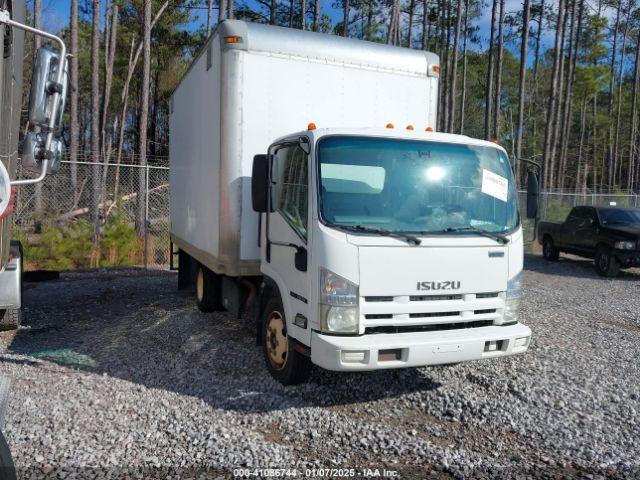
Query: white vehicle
[{"x": 374, "y": 247}]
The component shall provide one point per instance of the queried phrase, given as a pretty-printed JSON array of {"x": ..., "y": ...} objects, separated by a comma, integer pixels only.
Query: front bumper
[
  {"x": 628, "y": 258},
  {"x": 379, "y": 351}
]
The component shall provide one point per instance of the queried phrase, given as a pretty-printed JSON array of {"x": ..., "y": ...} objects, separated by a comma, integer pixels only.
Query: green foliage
[
  {"x": 72, "y": 246},
  {"x": 119, "y": 242},
  {"x": 557, "y": 211}
]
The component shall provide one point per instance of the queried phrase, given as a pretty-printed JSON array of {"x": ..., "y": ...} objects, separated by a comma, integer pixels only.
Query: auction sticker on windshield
[{"x": 495, "y": 185}]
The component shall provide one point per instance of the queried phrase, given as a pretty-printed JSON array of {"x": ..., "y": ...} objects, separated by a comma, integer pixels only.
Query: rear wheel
[
  {"x": 606, "y": 263},
  {"x": 10, "y": 319},
  {"x": 284, "y": 363},
  {"x": 549, "y": 250},
  {"x": 207, "y": 290}
]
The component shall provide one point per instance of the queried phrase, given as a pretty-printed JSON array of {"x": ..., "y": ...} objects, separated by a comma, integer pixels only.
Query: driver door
[{"x": 288, "y": 235}]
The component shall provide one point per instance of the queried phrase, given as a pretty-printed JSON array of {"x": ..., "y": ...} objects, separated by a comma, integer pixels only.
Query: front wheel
[
  {"x": 10, "y": 319},
  {"x": 606, "y": 263},
  {"x": 284, "y": 363},
  {"x": 549, "y": 250}
]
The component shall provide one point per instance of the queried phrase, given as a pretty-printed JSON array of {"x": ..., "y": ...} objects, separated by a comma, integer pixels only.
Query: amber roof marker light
[
  {"x": 428, "y": 129},
  {"x": 311, "y": 126},
  {"x": 389, "y": 125},
  {"x": 409, "y": 127}
]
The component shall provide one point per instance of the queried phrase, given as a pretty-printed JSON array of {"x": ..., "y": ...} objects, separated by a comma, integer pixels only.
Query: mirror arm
[{"x": 5, "y": 17}]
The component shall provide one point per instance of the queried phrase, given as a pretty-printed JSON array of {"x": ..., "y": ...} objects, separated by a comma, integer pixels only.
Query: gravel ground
[{"x": 116, "y": 374}]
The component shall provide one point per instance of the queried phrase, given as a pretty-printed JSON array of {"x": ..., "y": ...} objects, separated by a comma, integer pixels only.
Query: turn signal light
[
  {"x": 389, "y": 125},
  {"x": 436, "y": 69},
  {"x": 232, "y": 39},
  {"x": 311, "y": 126}
]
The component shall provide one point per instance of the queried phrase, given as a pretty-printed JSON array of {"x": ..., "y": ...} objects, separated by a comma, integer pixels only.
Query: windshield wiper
[
  {"x": 411, "y": 239},
  {"x": 478, "y": 231}
]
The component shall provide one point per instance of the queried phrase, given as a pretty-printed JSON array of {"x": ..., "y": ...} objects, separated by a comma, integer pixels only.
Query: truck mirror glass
[
  {"x": 301, "y": 259},
  {"x": 260, "y": 183},
  {"x": 5, "y": 191},
  {"x": 33, "y": 153},
  {"x": 533, "y": 193},
  {"x": 43, "y": 87}
]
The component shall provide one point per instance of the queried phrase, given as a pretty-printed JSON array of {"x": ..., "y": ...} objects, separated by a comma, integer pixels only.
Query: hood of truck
[{"x": 461, "y": 265}]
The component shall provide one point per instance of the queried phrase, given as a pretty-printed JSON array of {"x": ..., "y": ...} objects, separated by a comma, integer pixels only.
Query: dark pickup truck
[{"x": 609, "y": 235}]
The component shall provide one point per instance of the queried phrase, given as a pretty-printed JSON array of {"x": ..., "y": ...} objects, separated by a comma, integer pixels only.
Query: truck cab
[{"x": 386, "y": 248}]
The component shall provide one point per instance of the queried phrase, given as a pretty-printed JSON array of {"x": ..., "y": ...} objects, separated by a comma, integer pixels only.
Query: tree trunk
[
  {"x": 617, "y": 167},
  {"x": 463, "y": 92},
  {"x": 110, "y": 55},
  {"x": 523, "y": 72},
  {"x": 536, "y": 61},
  {"x": 489, "y": 85},
  {"x": 412, "y": 7},
  {"x": 498, "y": 94},
  {"x": 393, "y": 35},
  {"x": 209, "y": 17},
  {"x": 95, "y": 121},
  {"x": 454, "y": 69},
  {"x": 565, "y": 132},
  {"x": 425, "y": 24},
  {"x": 303, "y": 14},
  {"x": 73, "y": 113},
  {"x": 612, "y": 79},
  {"x": 144, "y": 114},
  {"x": 553, "y": 95},
  {"x": 316, "y": 16},
  {"x": 222, "y": 10},
  {"x": 345, "y": 18},
  {"x": 556, "y": 133},
  {"x": 272, "y": 12},
  {"x": 633, "y": 137}
]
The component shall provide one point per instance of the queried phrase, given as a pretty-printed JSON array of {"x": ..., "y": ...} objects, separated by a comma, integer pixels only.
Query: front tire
[
  {"x": 284, "y": 363},
  {"x": 207, "y": 290},
  {"x": 549, "y": 250},
  {"x": 606, "y": 263}
]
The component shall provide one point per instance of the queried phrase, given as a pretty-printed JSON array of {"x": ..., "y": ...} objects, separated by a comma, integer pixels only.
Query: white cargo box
[{"x": 253, "y": 83}]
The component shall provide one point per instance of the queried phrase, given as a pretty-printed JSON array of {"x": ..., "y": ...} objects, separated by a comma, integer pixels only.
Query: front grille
[
  {"x": 487, "y": 295},
  {"x": 433, "y": 298},
  {"x": 378, "y": 299},
  {"x": 427, "y": 328},
  {"x": 416, "y": 313},
  {"x": 434, "y": 314}
]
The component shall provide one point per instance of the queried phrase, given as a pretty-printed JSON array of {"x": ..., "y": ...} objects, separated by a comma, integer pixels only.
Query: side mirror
[
  {"x": 533, "y": 193},
  {"x": 301, "y": 259},
  {"x": 33, "y": 153},
  {"x": 43, "y": 86},
  {"x": 260, "y": 183}
]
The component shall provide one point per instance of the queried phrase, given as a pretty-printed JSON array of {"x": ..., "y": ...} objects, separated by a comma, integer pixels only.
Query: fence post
[{"x": 146, "y": 216}]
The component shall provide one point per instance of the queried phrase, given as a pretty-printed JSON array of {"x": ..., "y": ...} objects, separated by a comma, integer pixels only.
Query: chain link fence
[
  {"x": 70, "y": 221},
  {"x": 95, "y": 215}
]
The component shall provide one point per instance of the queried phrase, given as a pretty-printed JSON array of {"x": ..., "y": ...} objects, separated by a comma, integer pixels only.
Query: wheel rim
[
  {"x": 200, "y": 285},
  {"x": 276, "y": 341},
  {"x": 604, "y": 261}
]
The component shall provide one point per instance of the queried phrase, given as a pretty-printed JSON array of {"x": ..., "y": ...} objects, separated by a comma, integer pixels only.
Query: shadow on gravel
[
  {"x": 139, "y": 328},
  {"x": 572, "y": 266}
]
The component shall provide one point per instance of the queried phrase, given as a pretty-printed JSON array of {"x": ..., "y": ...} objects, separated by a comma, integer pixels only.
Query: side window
[{"x": 291, "y": 175}]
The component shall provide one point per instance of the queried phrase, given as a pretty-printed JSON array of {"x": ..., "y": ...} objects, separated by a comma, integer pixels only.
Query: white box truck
[{"x": 306, "y": 179}]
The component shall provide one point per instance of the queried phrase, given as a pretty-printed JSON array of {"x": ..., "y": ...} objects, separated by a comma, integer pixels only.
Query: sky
[{"x": 55, "y": 16}]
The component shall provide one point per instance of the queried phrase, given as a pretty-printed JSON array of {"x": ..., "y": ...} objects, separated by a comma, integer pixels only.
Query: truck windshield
[
  {"x": 616, "y": 215},
  {"x": 415, "y": 186}
]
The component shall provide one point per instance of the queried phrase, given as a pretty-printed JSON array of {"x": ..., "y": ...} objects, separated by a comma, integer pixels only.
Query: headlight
[
  {"x": 512, "y": 305},
  {"x": 339, "y": 312},
  {"x": 625, "y": 245}
]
